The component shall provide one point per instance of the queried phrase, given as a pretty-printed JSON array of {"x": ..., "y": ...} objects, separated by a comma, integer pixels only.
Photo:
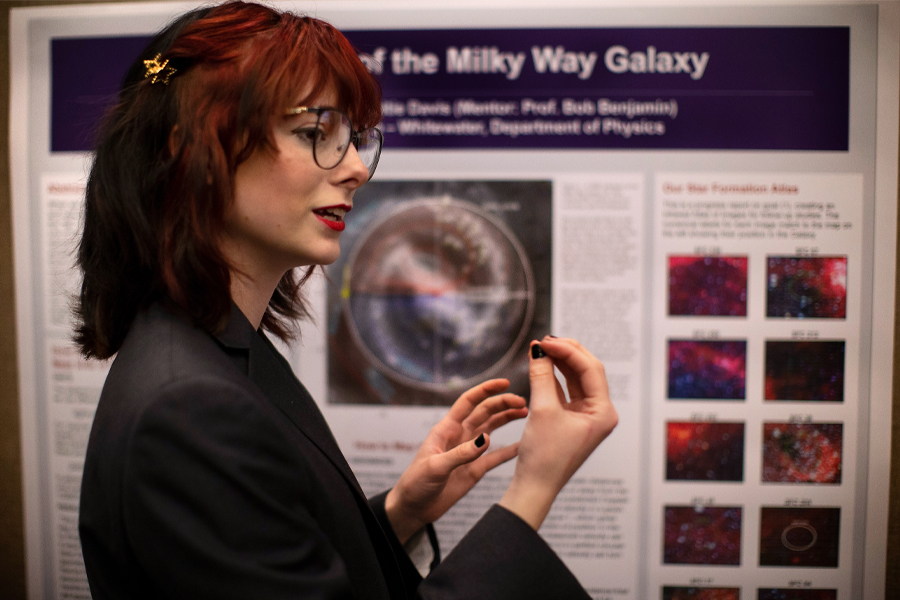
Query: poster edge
[{"x": 883, "y": 294}]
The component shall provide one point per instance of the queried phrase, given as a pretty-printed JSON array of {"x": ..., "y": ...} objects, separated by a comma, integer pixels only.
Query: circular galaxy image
[
  {"x": 440, "y": 285},
  {"x": 437, "y": 292}
]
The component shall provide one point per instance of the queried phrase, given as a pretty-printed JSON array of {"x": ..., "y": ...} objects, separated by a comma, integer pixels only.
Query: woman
[{"x": 233, "y": 154}]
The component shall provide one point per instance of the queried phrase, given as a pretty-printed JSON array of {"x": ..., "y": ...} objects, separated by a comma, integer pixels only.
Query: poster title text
[{"x": 544, "y": 59}]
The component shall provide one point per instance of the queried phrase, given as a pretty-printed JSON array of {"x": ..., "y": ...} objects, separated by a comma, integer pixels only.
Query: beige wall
[
  {"x": 12, "y": 560},
  {"x": 12, "y": 550}
]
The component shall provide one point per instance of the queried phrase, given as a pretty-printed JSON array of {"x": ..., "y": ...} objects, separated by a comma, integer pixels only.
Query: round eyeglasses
[{"x": 332, "y": 135}]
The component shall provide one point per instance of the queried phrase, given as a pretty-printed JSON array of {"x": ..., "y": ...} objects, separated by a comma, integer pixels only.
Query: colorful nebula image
[
  {"x": 702, "y": 535},
  {"x": 714, "y": 286},
  {"x": 802, "y": 452},
  {"x": 805, "y": 370},
  {"x": 795, "y": 594},
  {"x": 707, "y": 369},
  {"x": 813, "y": 287},
  {"x": 700, "y": 593},
  {"x": 799, "y": 537},
  {"x": 705, "y": 451}
]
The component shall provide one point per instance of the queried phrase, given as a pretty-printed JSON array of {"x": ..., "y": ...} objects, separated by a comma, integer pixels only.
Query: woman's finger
[
  {"x": 544, "y": 385},
  {"x": 490, "y": 407},
  {"x": 499, "y": 420},
  {"x": 471, "y": 398},
  {"x": 572, "y": 379},
  {"x": 570, "y": 341},
  {"x": 580, "y": 366},
  {"x": 465, "y": 453},
  {"x": 493, "y": 459},
  {"x": 570, "y": 376}
]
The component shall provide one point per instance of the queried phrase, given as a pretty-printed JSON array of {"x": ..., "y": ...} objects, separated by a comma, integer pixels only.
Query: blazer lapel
[
  {"x": 272, "y": 374},
  {"x": 255, "y": 356},
  {"x": 274, "y": 377}
]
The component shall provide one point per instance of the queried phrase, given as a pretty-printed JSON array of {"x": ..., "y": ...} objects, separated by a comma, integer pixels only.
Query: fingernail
[
  {"x": 537, "y": 351},
  {"x": 479, "y": 441}
]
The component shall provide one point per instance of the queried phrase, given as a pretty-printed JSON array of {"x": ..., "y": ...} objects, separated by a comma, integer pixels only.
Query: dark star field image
[
  {"x": 702, "y": 535},
  {"x": 708, "y": 286},
  {"x": 813, "y": 287},
  {"x": 802, "y": 452},
  {"x": 805, "y": 370},
  {"x": 705, "y": 451}
]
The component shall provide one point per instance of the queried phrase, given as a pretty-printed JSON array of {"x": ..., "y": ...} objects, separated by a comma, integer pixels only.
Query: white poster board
[{"x": 655, "y": 198}]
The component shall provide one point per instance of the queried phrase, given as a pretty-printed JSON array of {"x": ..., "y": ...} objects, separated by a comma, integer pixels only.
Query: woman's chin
[{"x": 323, "y": 258}]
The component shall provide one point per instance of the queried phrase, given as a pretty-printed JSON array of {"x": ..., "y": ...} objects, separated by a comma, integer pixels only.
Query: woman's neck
[{"x": 251, "y": 296}]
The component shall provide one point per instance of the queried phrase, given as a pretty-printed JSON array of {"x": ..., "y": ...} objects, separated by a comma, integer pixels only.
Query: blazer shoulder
[
  {"x": 161, "y": 348},
  {"x": 162, "y": 358}
]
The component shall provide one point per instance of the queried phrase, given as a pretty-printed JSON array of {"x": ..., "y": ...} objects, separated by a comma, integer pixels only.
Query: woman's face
[{"x": 287, "y": 211}]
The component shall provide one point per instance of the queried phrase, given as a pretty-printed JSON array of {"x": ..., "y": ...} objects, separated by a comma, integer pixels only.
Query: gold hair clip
[{"x": 158, "y": 71}]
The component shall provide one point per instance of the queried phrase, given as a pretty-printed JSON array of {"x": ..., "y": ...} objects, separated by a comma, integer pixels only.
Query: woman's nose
[{"x": 352, "y": 167}]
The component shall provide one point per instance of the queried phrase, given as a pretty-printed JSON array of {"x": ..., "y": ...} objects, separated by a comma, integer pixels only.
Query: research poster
[{"x": 704, "y": 197}]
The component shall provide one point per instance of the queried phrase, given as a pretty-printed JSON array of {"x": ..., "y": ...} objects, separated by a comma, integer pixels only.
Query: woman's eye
[{"x": 310, "y": 135}]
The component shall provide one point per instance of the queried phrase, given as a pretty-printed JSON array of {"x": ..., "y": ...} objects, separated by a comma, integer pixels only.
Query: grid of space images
[{"x": 803, "y": 453}]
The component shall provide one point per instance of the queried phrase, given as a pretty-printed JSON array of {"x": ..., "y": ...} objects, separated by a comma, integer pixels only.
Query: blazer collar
[{"x": 238, "y": 331}]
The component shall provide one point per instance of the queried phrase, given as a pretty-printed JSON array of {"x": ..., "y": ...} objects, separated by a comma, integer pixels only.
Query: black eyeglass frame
[{"x": 355, "y": 136}]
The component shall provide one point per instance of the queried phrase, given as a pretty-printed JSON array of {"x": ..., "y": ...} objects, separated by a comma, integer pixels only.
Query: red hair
[{"x": 166, "y": 157}]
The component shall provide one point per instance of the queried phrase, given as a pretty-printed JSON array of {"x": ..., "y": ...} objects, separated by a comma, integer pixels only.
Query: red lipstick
[
  {"x": 333, "y": 216},
  {"x": 335, "y": 225}
]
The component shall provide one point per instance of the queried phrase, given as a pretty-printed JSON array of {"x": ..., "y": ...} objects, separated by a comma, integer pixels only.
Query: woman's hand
[
  {"x": 452, "y": 459},
  {"x": 559, "y": 434}
]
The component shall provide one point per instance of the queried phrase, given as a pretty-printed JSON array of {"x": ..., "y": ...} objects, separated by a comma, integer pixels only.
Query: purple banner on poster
[
  {"x": 773, "y": 88},
  {"x": 728, "y": 88},
  {"x": 85, "y": 77}
]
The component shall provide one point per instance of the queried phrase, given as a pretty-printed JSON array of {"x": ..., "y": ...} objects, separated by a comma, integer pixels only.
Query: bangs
[{"x": 322, "y": 60}]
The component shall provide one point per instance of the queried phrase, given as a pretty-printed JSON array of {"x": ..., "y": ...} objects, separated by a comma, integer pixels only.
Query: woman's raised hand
[
  {"x": 559, "y": 434},
  {"x": 453, "y": 457}
]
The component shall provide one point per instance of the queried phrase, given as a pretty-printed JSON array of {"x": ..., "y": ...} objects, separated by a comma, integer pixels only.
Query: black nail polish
[
  {"x": 479, "y": 441},
  {"x": 537, "y": 351}
]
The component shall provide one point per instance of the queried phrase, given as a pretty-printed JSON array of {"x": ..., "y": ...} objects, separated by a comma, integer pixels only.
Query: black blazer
[{"x": 211, "y": 473}]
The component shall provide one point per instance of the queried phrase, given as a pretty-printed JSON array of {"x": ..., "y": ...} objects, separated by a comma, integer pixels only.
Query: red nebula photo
[
  {"x": 707, "y": 369},
  {"x": 714, "y": 286},
  {"x": 700, "y": 593},
  {"x": 813, "y": 287},
  {"x": 799, "y": 537},
  {"x": 802, "y": 452},
  {"x": 702, "y": 535},
  {"x": 705, "y": 451},
  {"x": 805, "y": 370},
  {"x": 794, "y": 594}
]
